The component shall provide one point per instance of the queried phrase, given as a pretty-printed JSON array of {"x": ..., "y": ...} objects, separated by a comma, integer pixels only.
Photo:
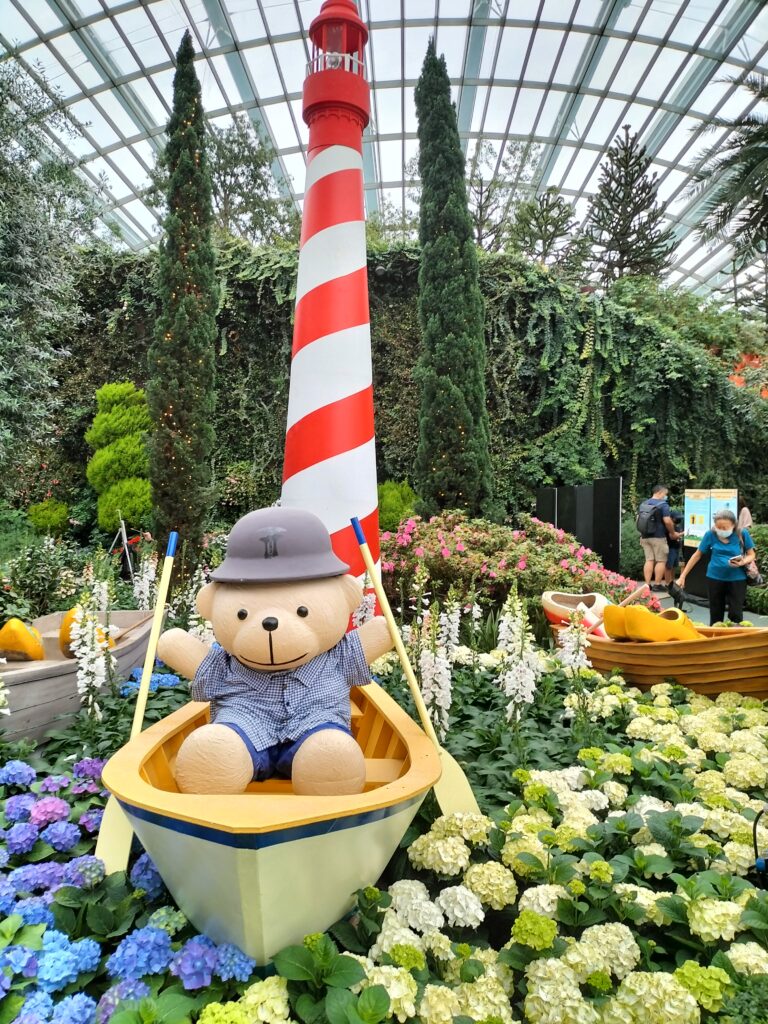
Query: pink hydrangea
[{"x": 48, "y": 810}]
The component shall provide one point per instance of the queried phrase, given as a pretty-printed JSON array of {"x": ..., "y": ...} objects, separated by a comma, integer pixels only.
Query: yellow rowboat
[
  {"x": 41, "y": 691},
  {"x": 729, "y": 659},
  {"x": 263, "y": 868}
]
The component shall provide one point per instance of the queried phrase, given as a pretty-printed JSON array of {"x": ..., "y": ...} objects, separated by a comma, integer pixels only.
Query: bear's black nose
[{"x": 269, "y": 623}]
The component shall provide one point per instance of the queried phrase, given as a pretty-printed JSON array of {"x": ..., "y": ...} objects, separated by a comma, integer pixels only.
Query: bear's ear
[
  {"x": 353, "y": 590},
  {"x": 204, "y": 600}
]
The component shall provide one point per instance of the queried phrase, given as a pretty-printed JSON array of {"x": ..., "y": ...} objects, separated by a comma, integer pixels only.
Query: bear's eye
[
  {"x": 243, "y": 613},
  {"x": 302, "y": 611}
]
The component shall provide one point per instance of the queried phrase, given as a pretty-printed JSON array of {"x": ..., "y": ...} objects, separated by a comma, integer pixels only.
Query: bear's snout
[{"x": 270, "y": 623}]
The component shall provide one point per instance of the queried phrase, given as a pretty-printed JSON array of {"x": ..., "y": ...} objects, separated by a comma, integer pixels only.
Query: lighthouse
[{"x": 330, "y": 459}]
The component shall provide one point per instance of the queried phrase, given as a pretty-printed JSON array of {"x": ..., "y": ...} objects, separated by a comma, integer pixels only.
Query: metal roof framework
[{"x": 564, "y": 75}]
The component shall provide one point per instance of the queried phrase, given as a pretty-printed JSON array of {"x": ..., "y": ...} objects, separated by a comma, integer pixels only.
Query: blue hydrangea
[
  {"x": 195, "y": 963},
  {"x": 21, "y": 837},
  {"x": 123, "y": 991},
  {"x": 7, "y": 895},
  {"x": 54, "y": 783},
  {"x": 144, "y": 875},
  {"x": 88, "y": 953},
  {"x": 17, "y": 807},
  {"x": 85, "y": 872},
  {"x": 33, "y": 877},
  {"x": 144, "y": 951},
  {"x": 5, "y": 981},
  {"x": 89, "y": 768},
  {"x": 37, "y": 1003},
  {"x": 61, "y": 961},
  {"x": 20, "y": 960},
  {"x": 91, "y": 820},
  {"x": 34, "y": 910},
  {"x": 232, "y": 962},
  {"x": 4, "y": 857},
  {"x": 61, "y": 835},
  {"x": 17, "y": 773},
  {"x": 78, "y": 1009}
]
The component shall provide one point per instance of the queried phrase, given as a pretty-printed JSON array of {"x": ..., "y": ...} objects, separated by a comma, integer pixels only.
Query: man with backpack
[{"x": 655, "y": 526}]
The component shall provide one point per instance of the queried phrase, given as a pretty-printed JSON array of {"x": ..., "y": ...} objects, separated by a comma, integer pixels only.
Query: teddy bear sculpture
[{"x": 279, "y": 676}]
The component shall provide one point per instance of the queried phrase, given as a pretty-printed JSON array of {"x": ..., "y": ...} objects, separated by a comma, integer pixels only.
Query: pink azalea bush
[{"x": 484, "y": 557}]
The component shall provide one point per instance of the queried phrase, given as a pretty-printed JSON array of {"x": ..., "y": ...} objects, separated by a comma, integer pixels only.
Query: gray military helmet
[{"x": 277, "y": 545}]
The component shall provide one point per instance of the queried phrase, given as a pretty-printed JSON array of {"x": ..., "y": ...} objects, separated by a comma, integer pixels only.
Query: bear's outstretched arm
[
  {"x": 375, "y": 638},
  {"x": 182, "y": 651}
]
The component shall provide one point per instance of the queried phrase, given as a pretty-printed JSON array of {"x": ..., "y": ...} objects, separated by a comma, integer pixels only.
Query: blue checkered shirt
[{"x": 273, "y": 707}]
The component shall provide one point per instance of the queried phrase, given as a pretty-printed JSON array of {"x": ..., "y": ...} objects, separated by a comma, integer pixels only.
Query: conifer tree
[
  {"x": 452, "y": 463},
  {"x": 544, "y": 230},
  {"x": 625, "y": 221},
  {"x": 181, "y": 360}
]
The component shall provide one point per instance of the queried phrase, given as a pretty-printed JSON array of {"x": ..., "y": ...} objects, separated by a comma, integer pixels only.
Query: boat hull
[
  {"x": 39, "y": 692},
  {"x": 725, "y": 660},
  {"x": 263, "y": 868}
]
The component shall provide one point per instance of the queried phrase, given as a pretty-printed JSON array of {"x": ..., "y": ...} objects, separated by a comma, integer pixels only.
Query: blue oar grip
[
  {"x": 358, "y": 530},
  {"x": 173, "y": 542}
]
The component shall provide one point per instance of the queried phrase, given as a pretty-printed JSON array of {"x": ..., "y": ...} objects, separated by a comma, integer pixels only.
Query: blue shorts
[
  {"x": 278, "y": 759},
  {"x": 673, "y": 557}
]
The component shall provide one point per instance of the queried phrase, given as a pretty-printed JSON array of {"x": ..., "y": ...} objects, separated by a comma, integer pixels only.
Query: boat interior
[
  {"x": 49, "y": 627},
  {"x": 386, "y": 754}
]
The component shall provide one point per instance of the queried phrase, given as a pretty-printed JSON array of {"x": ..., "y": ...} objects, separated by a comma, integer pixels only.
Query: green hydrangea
[
  {"x": 708, "y": 985},
  {"x": 168, "y": 919},
  {"x": 534, "y": 930},
  {"x": 521, "y": 775},
  {"x": 591, "y": 754},
  {"x": 576, "y": 887},
  {"x": 617, "y": 764},
  {"x": 535, "y": 792},
  {"x": 409, "y": 957},
  {"x": 223, "y": 1013},
  {"x": 600, "y": 981},
  {"x": 314, "y": 941},
  {"x": 601, "y": 871}
]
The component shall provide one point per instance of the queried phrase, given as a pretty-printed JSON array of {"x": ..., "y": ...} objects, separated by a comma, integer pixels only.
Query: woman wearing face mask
[{"x": 730, "y": 549}]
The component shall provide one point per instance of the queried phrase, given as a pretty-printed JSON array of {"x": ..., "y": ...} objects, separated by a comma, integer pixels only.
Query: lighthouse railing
[{"x": 336, "y": 62}]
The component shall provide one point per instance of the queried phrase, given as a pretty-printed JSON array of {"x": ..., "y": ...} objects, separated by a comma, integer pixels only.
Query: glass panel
[
  {"x": 144, "y": 151},
  {"x": 411, "y": 124},
  {"x": 560, "y": 167},
  {"x": 142, "y": 87},
  {"x": 737, "y": 105},
  {"x": 552, "y": 107},
  {"x": 292, "y": 59},
  {"x": 480, "y": 97},
  {"x": 16, "y": 28},
  {"x": 212, "y": 95},
  {"x": 559, "y": 11},
  {"x": 281, "y": 123},
  {"x": 628, "y": 16},
  {"x": 499, "y": 107},
  {"x": 230, "y": 71},
  {"x": 416, "y": 40},
  {"x": 96, "y": 124},
  {"x": 110, "y": 103},
  {"x": 301, "y": 125},
  {"x": 608, "y": 119},
  {"x": 639, "y": 116},
  {"x": 40, "y": 13},
  {"x": 89, "y": 7},
  {"x": 546, "y": 44},
  {"x": 281, "y": 17},
  {"x": 73, "y": 58},
  {"x": 389, "y": 115},
  {"x": 112, "y": 44},
  {"x": 588, "y": 13},
  {"x": 524, "y": 10},
  {"x": 635, "y": 62},
  {"x": 171, "y": 22},
  {"x": 381, "y": 10},
  {"x": 528, "y": 103},
  {"x": 142, "y": 35},
  {"x": 753, "y": 40},
  {"x": 669, "y": 181},
  {"x": 419, "y": 9},
  {"x": 456, "y": 8},
  {"x": 114, "y": 182},
  {"x": 658, "y": 19},
  {"x": 581, "y": 115},
  {"x": 514, "y": 43},
  {"x": 713, "y": 38},
  {"x": 663, "y": 73},
  {"x": 573, "y": 51},
  {"x": 263, "y": 70},
  {"x": 43, "y": 57},
  {"x": 581, "y": 170},
  {"x": 141, "y": 213},
  {"x": 307, "y": 9},
  {"x": 489, "y": 51},
  {"x": 694, "y": 20},
  {"x": 130, "y": 167},
  {"x": 391, "y": 161},
  {"x": 451, "y": 41},
  {"x": 296, "y": 170},
  {"x": 680, "y": 141},
  {"x": 386, "y": 53},
  {"x": 247, "y": 21},
  {"x": 608, "y": 62}
]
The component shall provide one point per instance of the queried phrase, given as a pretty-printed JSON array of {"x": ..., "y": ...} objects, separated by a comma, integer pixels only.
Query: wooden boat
[
  {"x": 558, "y": 607},
  {"x": 41, "y": 691},
  {"x": 725, "y": 659},
  {"x": 263, "y": 868}
]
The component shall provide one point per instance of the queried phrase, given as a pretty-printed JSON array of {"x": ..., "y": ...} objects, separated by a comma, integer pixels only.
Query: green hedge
[{"x": 577, "y": 385}]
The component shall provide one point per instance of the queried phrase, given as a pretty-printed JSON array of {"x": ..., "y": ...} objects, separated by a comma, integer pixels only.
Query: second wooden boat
[
  {"x": 722, "y": 660},
  {"x": 263, "y": 868}
]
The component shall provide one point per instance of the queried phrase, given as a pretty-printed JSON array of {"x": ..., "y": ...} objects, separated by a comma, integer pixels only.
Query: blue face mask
[{"x": 724, "y": 534}]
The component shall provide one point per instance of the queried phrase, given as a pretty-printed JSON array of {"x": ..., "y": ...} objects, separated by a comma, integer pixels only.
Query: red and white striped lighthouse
[{"x": 330, "y": 461}]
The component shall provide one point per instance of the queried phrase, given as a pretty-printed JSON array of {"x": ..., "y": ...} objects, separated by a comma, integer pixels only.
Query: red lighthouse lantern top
[{"x": 336, "y": 95}]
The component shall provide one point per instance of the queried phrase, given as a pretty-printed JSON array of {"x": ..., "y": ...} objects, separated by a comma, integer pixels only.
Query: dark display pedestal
[{"x": 696, "y": 580}]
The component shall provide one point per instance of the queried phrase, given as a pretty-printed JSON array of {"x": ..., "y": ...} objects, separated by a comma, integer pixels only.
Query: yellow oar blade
[
  {"x": 113, "y": 845},
  {"x": 453, "y": 790},
  {"x": 115, "y": 837}
]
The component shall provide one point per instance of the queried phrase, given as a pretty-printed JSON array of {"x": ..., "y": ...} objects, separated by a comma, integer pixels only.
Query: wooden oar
[
  {"x": 634, "y": 596},
  {"x": 115, "y": 833},
  {"x": 452, "y": 790}
]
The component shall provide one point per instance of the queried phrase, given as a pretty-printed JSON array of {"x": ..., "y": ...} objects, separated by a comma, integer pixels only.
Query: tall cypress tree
[
  {"x": 452, "y": 463},
  {"x": 180, "y": 392},
  {"x": 625, "y": 220}
]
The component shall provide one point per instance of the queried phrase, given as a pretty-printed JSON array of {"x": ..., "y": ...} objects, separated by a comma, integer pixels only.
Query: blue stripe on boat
[{"x": 260, "y": 841}]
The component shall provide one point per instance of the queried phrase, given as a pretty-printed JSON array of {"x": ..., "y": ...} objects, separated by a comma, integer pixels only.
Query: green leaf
[
  {"x": 174, "y": 1006},
  {"x": 296, "y": 963},
  {"x": 31, "y": 936},
  {"x": 337, "y": 1002},
  {"x": 343, "y": 972},
  {"x": 310, "y": 1009},
  {"x": 373, "y": 1004},
  {"x": 346, "y": 935},
  {"x": 64, "y": 919},
  {"x": 40, "y": 851},
  {"x": 100, "y": 919},
  {"x": 674, "y": 908},
  {"x": 70, "y": 896},
  {"x": 125, "y": 1017},
  {"x": 471, "y": 970},
  {"x": 10, "y": 1006}
]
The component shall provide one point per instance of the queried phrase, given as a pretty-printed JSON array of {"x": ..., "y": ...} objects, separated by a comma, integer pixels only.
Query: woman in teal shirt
[{"x": 729, "y": 550}]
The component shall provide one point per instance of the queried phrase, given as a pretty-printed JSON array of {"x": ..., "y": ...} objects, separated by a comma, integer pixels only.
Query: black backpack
[{"x": 648, "y": 519}]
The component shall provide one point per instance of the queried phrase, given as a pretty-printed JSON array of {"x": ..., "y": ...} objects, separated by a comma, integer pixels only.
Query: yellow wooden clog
[
  {"x": 65, "y": 634},
  {"x": 20, "y": 642},
  {"x": 672, "y": 624},
  {"x": 614, "y": 622}
]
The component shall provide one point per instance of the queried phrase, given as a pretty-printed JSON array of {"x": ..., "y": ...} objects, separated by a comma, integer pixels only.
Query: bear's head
[{"x": 272, "y": 627}]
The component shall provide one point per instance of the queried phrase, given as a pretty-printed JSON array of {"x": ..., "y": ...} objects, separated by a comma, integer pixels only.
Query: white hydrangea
[
  {"x": 461, "y": 907},
  {"x": 484, "y": 998},
  {"x": 512, "y": 849},
  {"x": 411, "y": 902},
  {"x": 542, "y": 899},
  {"x": 616, "y": 792},
  {"x": 603, "y": 947},
  {"x": 748, "y": 958},
  {"x": 713, "y": 919},
  {"x": 439, "y": 946},
  {"x": 594, "y": 800},
  {"x": 651, "y": 998},
  {"x": 449, "y": 856},
  {"x": 473, "y": 828},
  {"x": 394, "y": 932},
  {"x": 646, "y": 899},
  {"x": 739, "y": 858},
  {"x": 745, "y": 772},
  {"x": 439, "y": 1005},
  {"x": 401, "y": 988},
  {"x": 554, "y": 995},
  {"x": 492, "y": 883}
]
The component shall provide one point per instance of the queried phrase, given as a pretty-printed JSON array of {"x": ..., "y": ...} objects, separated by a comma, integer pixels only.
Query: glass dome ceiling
[{"x": 565, "y": 74}]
